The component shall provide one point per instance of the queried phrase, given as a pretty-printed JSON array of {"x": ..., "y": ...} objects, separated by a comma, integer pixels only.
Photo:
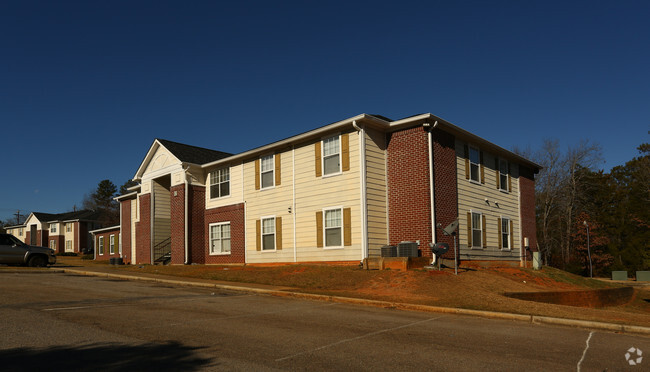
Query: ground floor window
[
  {"x": 100, "y": 245},
  {"x": 220, "y": 238},
  {"x": 68, "y": 245},
  {"x": 505, "y": 233},
  {"x": 477, "y": 231},
  {"x": 268, "y": 234},
  {"x": 111, "y": 244},
  {"x": 333, "y": 227},
  {"x": 53, "y": 244}
]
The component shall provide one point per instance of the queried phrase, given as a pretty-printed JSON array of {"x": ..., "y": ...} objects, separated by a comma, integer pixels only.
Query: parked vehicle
[{"x": 15, "y": 252}]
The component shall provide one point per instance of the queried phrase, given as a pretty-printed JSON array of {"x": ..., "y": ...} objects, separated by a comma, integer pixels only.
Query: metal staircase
[{"x": 162, "y": 252}]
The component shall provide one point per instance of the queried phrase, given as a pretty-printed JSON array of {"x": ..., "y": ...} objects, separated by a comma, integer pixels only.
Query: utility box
[
  {"x": 619, "y": 275},
  {"x": 643, "y": 276},
  {"x": 537, "y": 261}
]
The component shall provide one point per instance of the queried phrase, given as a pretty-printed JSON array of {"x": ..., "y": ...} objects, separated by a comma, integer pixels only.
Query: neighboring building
[
  {"x": 336, "y": 193},
  {"x": 107, "y": 243},
  {"x": 63, "y": 232},
  {"x": 16, "y": 230}
]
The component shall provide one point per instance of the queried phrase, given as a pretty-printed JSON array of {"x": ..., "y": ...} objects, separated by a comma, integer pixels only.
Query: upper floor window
[
  {"x": 503, "y": 175},
  {"x": 331, "y": 155},
  {"x": 53, "y": 227},
  {"x": 266, "y": 171},
  {"x": 220, "y": 183},
  {"x": 475, "y": 164},
  {"x": 68, "y": 227}
]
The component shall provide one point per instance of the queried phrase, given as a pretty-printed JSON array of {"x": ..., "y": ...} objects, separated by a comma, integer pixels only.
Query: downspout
[
  {"x": 432, "y": 185},
  {"x": 293, "y": 206},
  {"x": 364, "y": 196},
  {"x": 186, "y": 262}
]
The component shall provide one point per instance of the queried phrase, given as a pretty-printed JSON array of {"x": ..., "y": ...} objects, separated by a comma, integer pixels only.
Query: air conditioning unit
[
  {"x": 389, "y": 251},
  {"x": 407, "y": 249}
]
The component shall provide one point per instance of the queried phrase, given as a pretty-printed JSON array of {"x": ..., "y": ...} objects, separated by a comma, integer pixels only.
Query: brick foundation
[{"x": 235, "y": 215}]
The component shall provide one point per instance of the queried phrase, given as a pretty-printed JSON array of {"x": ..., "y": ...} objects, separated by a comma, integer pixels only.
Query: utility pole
[{"x": 17, "y": 214}]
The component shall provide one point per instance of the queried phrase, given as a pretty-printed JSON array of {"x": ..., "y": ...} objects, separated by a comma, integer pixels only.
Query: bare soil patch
[{"x": 474, "y": 287}]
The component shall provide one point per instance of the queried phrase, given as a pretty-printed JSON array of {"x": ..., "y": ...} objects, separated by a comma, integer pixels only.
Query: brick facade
[
  {"x": 527, "y": 205},
  {"x": 445, "y": 185},
  {"x": 60, "y": 243},
  {"x": 143, "y": 231},
  {"x": 82, "y": 237},
  {"x": 235, "y": 215},
  {"x": 196, "y": 223},
  {"x": 409, "y": 202},
  {"x": 177, "y": 215},
  {"x": 125, "y": 224},
  {"x": 107, "y": 255}
]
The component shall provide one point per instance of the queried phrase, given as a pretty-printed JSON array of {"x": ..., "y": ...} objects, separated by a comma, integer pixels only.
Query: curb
[{"x": 533, "y": 319}]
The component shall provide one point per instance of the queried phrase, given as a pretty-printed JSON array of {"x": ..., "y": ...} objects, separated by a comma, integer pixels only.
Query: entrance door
[{"x": 32, "y": 235}]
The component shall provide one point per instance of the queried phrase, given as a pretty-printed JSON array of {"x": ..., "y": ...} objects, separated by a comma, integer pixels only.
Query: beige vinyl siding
[
  {"x": 162, "y": 213},
  {"x": 472, "y": 196},
  {"x": 376, "y": 191},
  {"x": 70, "y": 235},
  {"x": 312, "y": 195},
  {"x": 315, "y": 193},
  {"x": 236, "y": 192},
  {"x": 274, "y": 201}
]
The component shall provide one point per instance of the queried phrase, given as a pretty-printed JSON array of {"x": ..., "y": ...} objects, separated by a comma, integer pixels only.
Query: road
[{"x": 67, "y": 322}]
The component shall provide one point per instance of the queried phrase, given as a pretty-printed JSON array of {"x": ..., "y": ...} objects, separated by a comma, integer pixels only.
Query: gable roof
[
  {"x": 192, "y": 154},
  {"x": 84, "y": 214}
]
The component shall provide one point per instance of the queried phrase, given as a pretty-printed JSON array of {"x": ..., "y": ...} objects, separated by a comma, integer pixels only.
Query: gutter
[
  {"x": 186, "y": 262},
  {"x": 364, "y": 189},
  {"x": 432, "y": 182}
]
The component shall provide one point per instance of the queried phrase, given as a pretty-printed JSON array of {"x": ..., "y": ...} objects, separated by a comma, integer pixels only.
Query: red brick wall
[
  {"x": 125, "y": 224},
  {"x": 76, "y": 235},
  {"x": 27, "y": 237},
  {"x": 409, "y": 203},
  {"x": 197, "y": 224},
  {"x": 107, "y": 245},
  {"x": 445, "y": 185},
  {"x": 235, "y": 215},
  {"x": 527, "y": 202},
  {"x": 178, "y": 224},
  {"x": 143, "y": 231},
  {"x": 42, "y": 237}
]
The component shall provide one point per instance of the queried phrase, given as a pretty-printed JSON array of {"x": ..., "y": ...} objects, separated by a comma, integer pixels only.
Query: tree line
[{"x": 576, "y": 202}]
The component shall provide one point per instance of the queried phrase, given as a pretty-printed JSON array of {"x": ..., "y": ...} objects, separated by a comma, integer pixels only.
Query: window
[
  {"x": 20, "y": 232},
  {"x": 220, "y": 183},
  {"x": 53, "y": 227},
  {"x": 100, "y": 244},
  {"x": 220, "y": 238},
  {"x": 111, "y": 244},
  {"x": 474, "y": 164},
  {"x": 477, "y": 231},
  {"x": 268, "y": 233},
  {"x": 333, "y": 227},
  {"x": 505, "y": 233},
  {"x": 331, "y": 155},
  {"x": 266, "y": 174},
  {"x": 68, "y": 227},
  {"x": 53, "y": 244},
  {"x": 68, "y": 245},
  {"x": 503, "y": 175}
]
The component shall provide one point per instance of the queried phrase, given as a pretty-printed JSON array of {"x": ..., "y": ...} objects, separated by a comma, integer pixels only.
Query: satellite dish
[
  {"x": 451, "y": 228},
  {"x": 440, "y": 248}
]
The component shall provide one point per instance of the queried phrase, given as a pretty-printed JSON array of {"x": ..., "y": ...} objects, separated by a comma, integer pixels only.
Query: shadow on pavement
[{"x": 171, "y": 356}]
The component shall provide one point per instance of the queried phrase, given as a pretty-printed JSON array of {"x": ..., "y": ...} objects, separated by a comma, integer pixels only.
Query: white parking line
[
  {"x": 585, "y": 351},
  {"x": 356, "y": 338}
]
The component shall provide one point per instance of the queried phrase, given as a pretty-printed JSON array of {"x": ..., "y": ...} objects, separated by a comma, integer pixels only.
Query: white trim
[
  {"x": 116, "y": 227},
  {"x": 342, "y": 228},
  {"x": 471, "y": 244},
  {"x": 220, "y": 197},
  {"x": 210, "y": 226},
  {"x": 469, "y": 158},
  {"x": 293, "y": 201},
  {"x": 111, "y": 244},
  {"x": 275, "y": 230},
  {"x": 100, "y": 245},
  {"x": 363, "y": 175},
  {"x": 432, "y": 186},
  {"x": 507, "y": 174}
]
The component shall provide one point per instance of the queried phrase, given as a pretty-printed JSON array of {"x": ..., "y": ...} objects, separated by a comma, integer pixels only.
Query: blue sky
[{"x": 86, "y": 86}]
